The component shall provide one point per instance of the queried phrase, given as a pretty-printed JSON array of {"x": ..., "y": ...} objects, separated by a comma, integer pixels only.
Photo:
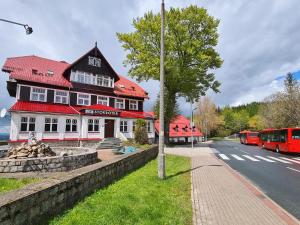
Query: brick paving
[{"x": 219, "y": 197}]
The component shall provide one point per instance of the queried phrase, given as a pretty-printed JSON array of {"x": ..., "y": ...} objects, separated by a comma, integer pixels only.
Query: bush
[{"x": 140, "y": 133}]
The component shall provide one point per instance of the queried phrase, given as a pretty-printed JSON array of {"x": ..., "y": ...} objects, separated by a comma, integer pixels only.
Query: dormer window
[
  {"x": 50, "y": 73},
  {"x": 38, "y": 94},
  {"x": 93, "y": 61},
  {"x": 133, "y": 104},
  {"x": 122, "y": 86}
]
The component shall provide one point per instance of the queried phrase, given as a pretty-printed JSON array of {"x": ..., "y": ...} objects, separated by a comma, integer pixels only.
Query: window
[
  {"x": 283, "y": 136},
  {"x": 38, "y": 94},
  {"x": 93, "y": 61},
  {"x": 93, "y": 125},
  {"x": 80, "y": 77},
  {"x": 296, "y": 134},
  {"x": 120, "y": 103},
  {"x": 71, "y": 125},
  {"x": 83, "y": 99},
  {"x": 133, "y": 126},
  {"x": 123, "y": 126},
  {"x": 61, "y": 97},
  {"x": 89, "y": 78},
  {"x": 27, "y": 124},
  {"x": 149, "y": 127},
  {"x": 51, "y": 124},
  {"x": 102, "y": 100},
  {"x": 133, "y": 105}
]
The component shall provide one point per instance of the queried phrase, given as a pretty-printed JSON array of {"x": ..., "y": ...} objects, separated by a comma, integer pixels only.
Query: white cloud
[{"x": 259, "y": 39}]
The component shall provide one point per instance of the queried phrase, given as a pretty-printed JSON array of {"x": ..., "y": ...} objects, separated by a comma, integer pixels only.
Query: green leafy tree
[
  {"x": 140, "y": 133},
  {"x": 190, "y": 55}
]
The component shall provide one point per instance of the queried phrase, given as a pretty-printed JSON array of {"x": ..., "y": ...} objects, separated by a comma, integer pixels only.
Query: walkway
[{"x": 220, "y": 196}]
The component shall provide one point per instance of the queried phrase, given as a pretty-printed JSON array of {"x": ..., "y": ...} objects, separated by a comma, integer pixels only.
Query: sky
[{"x": 259, "y": 40}]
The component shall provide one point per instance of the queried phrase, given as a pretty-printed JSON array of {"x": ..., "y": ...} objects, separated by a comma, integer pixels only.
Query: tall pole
[
  {"x": 192, "y": 119},
  {"x": 161, "y": 153}
]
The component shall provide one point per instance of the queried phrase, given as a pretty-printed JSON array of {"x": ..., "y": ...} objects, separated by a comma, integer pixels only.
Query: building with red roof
[
  {"x": 85, "y": 100},
  {"x": 180, "y": 130}
]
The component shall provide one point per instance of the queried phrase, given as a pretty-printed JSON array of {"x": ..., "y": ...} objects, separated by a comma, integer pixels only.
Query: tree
[
  {"x": 190, "y": 55},
  {"x": 282, "y": 108},
  {"x": 207, "y": 117},
  {"x": 256, "y": 123},
  {"x": 140, "y": 133}
]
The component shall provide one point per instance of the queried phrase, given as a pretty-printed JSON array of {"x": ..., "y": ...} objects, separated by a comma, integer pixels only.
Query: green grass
[
  {"x": 134, "y": 144},
  {"x": 8, "y": 184},
  {"x": 139, "y": 198}
]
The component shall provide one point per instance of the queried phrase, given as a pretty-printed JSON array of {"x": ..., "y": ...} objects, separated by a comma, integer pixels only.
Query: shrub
[{"x": 140, "y": 133}]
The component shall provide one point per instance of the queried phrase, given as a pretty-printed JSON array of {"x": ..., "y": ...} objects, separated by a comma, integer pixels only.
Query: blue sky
[{"x": 259, "y": 39}]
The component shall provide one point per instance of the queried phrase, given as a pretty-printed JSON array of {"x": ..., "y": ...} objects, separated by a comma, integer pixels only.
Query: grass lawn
[
  {"x": 139, "y": 198},
  {"x": 8, "y": 184}
]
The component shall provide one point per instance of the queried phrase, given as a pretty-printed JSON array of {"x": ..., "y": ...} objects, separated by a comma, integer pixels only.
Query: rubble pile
[{"x": 32, "y": 150}]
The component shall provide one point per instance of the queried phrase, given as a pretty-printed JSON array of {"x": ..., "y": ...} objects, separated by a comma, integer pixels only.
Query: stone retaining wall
[
  {"x": 37, "y": 202},
  {"x": 48, "y": 164},
  {"x": 3, "y": 153}
]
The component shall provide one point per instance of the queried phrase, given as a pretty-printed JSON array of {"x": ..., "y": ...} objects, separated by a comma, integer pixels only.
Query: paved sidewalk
[{"x": 219, "y": 197}]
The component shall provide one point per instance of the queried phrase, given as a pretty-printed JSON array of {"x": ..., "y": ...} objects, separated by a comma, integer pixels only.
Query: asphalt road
[{"x": 277, "y": 177}]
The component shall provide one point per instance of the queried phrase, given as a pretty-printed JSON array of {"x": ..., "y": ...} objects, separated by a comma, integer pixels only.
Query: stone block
[{"x": 20, "y": 219}]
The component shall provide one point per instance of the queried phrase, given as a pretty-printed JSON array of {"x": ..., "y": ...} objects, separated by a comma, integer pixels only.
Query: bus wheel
[{"x": 277, "y": 149}]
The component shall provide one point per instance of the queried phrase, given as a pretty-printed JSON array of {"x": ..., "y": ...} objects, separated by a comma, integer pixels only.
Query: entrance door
[{"x": 109, "y": 128}]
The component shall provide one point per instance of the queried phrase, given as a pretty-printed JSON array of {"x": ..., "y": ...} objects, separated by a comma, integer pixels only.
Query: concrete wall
[{"x": 35, "y": 203}]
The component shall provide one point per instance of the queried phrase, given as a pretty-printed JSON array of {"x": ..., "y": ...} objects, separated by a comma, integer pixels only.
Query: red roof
[
  {"x": 43, "y": 107},
  {"x": 66, "y": 109},
  {"x": 180, "y": 127},
  {"x": 35, "y": 69}
]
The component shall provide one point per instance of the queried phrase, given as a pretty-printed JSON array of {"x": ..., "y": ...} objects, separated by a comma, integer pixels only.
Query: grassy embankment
[
  {"x": 139, "y": 198},
  {"x": 8, "y": 184}
]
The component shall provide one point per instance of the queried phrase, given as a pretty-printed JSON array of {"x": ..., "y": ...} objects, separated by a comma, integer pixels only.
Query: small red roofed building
[
  {"x": 180, "y": 130},
  {"x": 82, "y": 101}
]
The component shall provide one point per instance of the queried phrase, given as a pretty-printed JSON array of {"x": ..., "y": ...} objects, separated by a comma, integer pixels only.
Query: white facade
[{"x": 81, "y": 133}]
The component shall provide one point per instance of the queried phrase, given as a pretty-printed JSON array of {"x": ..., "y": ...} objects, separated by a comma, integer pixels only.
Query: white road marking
[
  {"x": 291, "y": 160},
  {"x": 251, "y": 158},
  {"x": 237, "y": 157},
  {"x": 297, "y": 158},
  {"x": 223, "y": 156},
  {"x": 280, "y": 160},
  {"x": 243, "y": 151},
  {"x": 293, "y": 169},
  {"x": 263, "y": 158}
]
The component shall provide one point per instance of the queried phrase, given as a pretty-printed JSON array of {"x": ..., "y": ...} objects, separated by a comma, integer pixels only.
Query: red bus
[
  {"x": 249, "y": 137},
  {"x": 280, "y": 140}
]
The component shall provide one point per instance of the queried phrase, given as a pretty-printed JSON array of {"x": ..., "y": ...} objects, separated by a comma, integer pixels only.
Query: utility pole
[{"x": 161, "y": 153}]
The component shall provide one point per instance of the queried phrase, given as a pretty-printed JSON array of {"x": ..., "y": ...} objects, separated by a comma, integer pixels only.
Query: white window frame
[
  {"x": 133, "y": 103},
  {"x": 38, "y": 94},
  {"x": 52, "y": 122},
  {"x": 29, "y": 120},
  {"x": 61, "y": 96},
  {"x": 83, "y": 99},
  {"x": 123, "y": 125},
  {"x": 133, "y": 125},
  {"x": 94, "y": 61},
  {"x": 98, "y": 100},
  {"x": 94, "y": 79},
  {"x": 117, "y": 104},
  {"x": 94, "y": 123},
  {"x": 73, "y": 122},
  {"x": 149, "y": 127}
]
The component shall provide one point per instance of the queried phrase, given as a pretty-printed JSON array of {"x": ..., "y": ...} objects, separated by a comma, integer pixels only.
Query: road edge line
[{"x": 277, "y": 209}]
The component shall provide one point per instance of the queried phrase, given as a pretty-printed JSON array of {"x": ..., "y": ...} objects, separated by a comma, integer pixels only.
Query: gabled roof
[
  {"x": 94, "y": 51},
  {"x": 125, "y": 87},
  {"x": 180, "y": 127},
  {"x": 35, "y": 69}
]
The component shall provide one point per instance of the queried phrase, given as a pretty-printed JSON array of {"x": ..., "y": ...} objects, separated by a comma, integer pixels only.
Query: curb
[{"x": 277, "y": 209}]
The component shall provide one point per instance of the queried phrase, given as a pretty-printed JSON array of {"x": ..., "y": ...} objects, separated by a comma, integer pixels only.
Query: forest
[{"x": 280, "y": 109}]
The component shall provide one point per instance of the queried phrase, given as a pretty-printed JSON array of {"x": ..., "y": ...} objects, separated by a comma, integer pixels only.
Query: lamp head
[{"x": 28, "y": 29}]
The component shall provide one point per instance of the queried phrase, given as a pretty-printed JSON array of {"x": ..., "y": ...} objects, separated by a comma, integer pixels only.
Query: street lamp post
[
  {"x": 192, "y": 124},
  {"x": 161, "y": 154},
  {"x": 28, "y": 29}
]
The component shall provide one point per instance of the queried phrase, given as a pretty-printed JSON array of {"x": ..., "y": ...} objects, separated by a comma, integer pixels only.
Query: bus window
[
  {"x": 276, "y": 136},
  {"x": 296, "y": 134},
  {"x": 283, "y": 135}
]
